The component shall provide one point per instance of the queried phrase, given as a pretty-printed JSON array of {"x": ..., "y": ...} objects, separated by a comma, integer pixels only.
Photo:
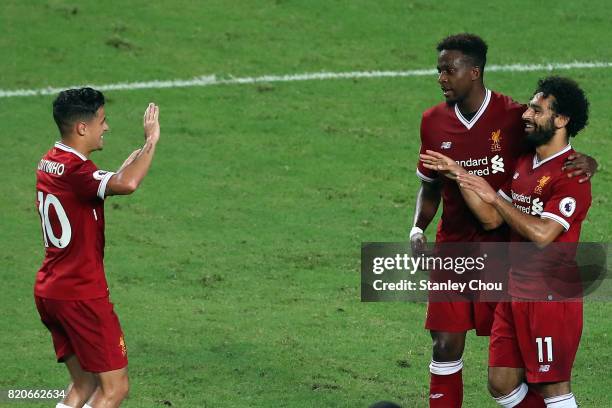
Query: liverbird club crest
[
  {"x": 495, "y": 140},
  {"x": 541, "y": 183},
  {"x": 122, "y": 346}
]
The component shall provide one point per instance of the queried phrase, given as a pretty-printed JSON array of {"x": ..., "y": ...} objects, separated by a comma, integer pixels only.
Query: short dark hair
[
  {"x": 569, "y": 100},
  {"x": 72, "y": 105},
  {"x": 471, "y": 45}
]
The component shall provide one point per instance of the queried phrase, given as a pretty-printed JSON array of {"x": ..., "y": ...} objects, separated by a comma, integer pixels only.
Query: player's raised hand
[
  {"x": 478, "y": 185},
  {"x": 151, "y": 123},
  {"x": 442, "y": 164}
]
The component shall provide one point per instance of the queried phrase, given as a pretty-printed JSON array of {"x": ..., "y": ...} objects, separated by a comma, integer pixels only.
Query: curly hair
[
  {"x": 73, "y": 105},
  {"x": 569, "y": 100},
  {"x": 470, "y": 45}
]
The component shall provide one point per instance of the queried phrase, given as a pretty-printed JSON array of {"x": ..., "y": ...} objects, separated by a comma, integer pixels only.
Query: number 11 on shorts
[{"x": 549, "y": 350}]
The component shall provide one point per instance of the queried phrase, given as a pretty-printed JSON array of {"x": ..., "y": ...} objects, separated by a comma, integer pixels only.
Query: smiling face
[
  {"x": 456, "y": 75},
  {"x": 539, "y": 120},
  {"x": 93, "y": 130}
]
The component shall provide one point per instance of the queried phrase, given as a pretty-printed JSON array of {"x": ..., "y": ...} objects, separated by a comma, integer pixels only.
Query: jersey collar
[
  {"x": 537, "y": 163},
  {"x": 69, "y": 149},
  {"x": 469, "y": 123}
]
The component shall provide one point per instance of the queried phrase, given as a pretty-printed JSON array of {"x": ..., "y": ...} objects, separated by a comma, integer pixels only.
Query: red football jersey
[
  {"x": 542, "y": 188},
  {"x": 488, "y": 145},
  {"x": 70, "y": 201}
]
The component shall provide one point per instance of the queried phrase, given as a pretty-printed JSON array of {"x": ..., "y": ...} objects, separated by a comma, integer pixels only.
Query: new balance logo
[
  {"x": 446, "y": 145},
  {"x": 497, "y": 164},
  {"x": 544, "y": 368},
  {"x": 435, "y": 396},
  {"x": 537, "y": 207}
]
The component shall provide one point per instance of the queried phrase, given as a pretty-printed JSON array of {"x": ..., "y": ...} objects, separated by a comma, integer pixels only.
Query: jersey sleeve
[
  {"x": 505, "y": 190},
  {"x": 570, "y": 201},
  {"x": 423, "y": 173},
  {"x": 88, "y": 182}
]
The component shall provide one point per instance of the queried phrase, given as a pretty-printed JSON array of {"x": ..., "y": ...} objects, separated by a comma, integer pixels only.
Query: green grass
[{"x": 235, "y": 267}]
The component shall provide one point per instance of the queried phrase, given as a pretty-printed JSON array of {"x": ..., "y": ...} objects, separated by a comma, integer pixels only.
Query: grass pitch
[{"x": 235, "y": 267}]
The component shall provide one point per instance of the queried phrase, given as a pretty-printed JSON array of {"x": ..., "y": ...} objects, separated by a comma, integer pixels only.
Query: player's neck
[
  {"x": 554, "y": 146},
  {"x": 79, "y": 147},
  {"x": 474, "y": 101}
]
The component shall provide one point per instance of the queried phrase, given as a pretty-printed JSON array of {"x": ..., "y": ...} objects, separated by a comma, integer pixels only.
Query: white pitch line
[{"x": 213, "y": 80}]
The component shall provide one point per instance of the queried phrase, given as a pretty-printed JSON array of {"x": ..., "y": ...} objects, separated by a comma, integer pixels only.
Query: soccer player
[
  {"x": 71, "y": 292},
  {"x": 483, "y": 131},
  {"x": 541, "y": 205}
]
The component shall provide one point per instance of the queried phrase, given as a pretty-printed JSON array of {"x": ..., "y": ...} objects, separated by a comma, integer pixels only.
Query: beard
[
  {"x": 452, "y": 101},
  {"x": 541, "y": 134}
]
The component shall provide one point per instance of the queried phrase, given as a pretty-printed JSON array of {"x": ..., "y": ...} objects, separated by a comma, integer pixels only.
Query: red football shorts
[
  {"x": 542, "y": 337},
  {"x": 460, "y": 316},
  {"x": 89, "y": 329}
]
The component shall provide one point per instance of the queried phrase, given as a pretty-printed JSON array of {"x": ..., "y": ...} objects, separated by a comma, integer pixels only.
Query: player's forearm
[
  {"x": 488, "y": 216},
  {"x": 129, "y": 160},
  {"x": 528, "y": 226},
  {"x": 427, "y": 203},
  {"x": 129, "y": 177}
]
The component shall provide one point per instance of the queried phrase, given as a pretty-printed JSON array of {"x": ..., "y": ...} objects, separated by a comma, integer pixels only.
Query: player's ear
[
  {"x": 81, "y": 128},
  {"x": 561, "y": 121},
  {"x": 475, "y": 72}
]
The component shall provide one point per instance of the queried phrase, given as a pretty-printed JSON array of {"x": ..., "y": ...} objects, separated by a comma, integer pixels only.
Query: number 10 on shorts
[{"x": 549, "y": 350}]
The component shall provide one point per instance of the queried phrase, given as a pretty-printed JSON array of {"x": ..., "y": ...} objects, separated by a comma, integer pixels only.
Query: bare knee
[
  {"x": 83, "y": 383},
  {"x": 447, "y": 346},
  {"x": 84, "y": 387},
  {"x": 549, "y": 390},
  {"x": 116, "y": 390},
  {"x": 503, "y": 380},
  {"x": 499, "y": 389}
]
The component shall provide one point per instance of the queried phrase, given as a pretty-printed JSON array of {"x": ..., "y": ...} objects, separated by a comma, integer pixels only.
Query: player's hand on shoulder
[
  {"x": 151, "y": 123},
  {"x": 578, "y": 164}
]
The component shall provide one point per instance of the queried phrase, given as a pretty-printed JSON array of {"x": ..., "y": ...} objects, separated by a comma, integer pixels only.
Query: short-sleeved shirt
[
  {"x": 488, "y": 145},
  {"x": 543, "y": 189},
  {"x": 70, "y": 192}
]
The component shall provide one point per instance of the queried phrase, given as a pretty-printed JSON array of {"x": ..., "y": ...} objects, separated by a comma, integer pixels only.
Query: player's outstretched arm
[
  {"x": 442, "y": 164},
  {"x": 130, "y": 159},
  {"x": 133, "y": 171},
  {"x": 486, "y": 214},
  {"x": 479, "y": 196},
  {"x": 427, "y": 203},
  {"x": 541, "y": 231}
]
